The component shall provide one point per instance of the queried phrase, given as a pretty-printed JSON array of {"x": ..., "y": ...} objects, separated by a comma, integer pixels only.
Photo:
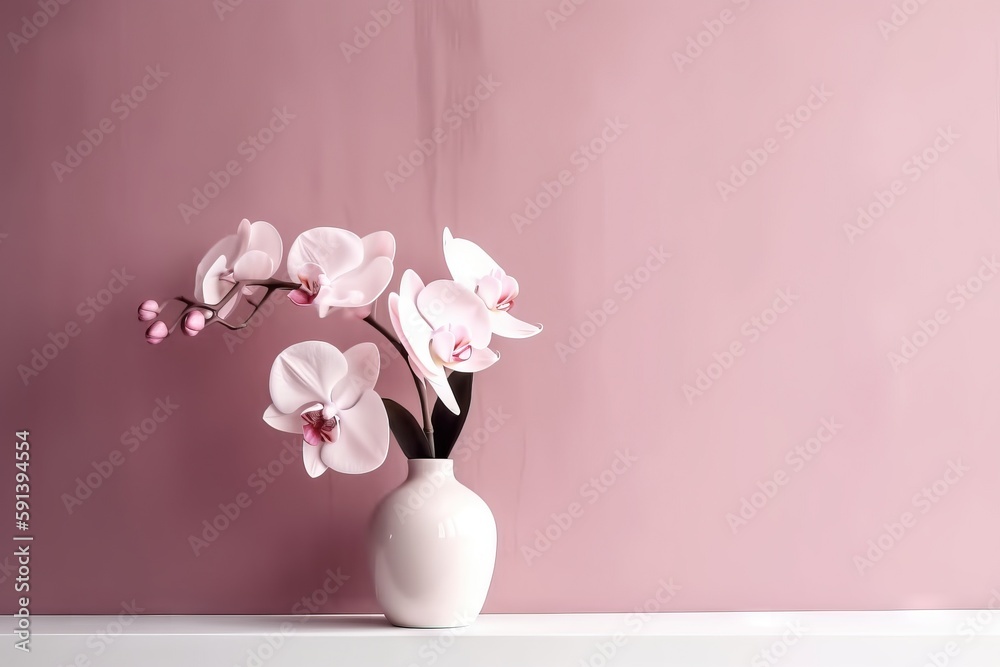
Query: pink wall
[{"x": 767, "y": 269}]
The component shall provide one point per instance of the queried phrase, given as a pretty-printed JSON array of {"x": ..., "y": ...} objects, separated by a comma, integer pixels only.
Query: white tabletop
[{"x": 747, "y": 639}]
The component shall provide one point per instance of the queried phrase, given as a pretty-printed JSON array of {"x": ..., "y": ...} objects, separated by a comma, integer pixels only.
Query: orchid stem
[
  {"x": 421, "y": 389},
  {"x": 271, "y": 286}
]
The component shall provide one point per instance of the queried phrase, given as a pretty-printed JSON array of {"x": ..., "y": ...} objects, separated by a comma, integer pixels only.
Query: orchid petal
[
  {"x": 488, "y": 289},
  {"x": 412, "y": 329},
  {"x": 439, "y": 382},
  {"x": 287, "y": 422},
  {"x": 364, "y": 284},
  {"x": 364, "y": 438},
  {"x": 445, "y": 302},
  {"x": 312, "y": 435},
  {"x": 508, "y": 287},
  {"x": 227, "y": 247},
  {"x": 506, "y": 325},
  {"x": 243, "y": 233},
  {"x": 304, "y": 373},
  {"x": 410, "y": 285},
  {"x": 324, "y": 301},
  {"x": 380, "y": 244},
  {"x": 336, "y": 250},
  {"x": 253, "y": 265},
  {"x": 300, "y": 297},
  {"x": 265, "y": 238},
  {"x": 312, "y": 461},
  {"x": 213, "y": 289},
  {"x": 466, "y": 261},
  {"x": 309, "y": 273},
  {"x": 418, "y": 368},
  {"x": 362, "y": 373},
  {"x": 480, "y": 360},
  {"x": 443, "y": 346}
]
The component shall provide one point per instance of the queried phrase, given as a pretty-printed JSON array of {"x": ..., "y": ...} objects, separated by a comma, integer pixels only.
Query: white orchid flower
[
  {"x": 443, "y": 326},
  {"x": 472, "y": 267},
  {"x": 252, "y": 253},
  {"x": 338, "y": 269},
  {"x": 329, "y": 398}
]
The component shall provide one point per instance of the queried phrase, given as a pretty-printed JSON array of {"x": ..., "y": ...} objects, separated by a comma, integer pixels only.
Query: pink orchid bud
[
  {"x": 194, "y": 322},
  {"x": 148, "y": 310},
  {"x": 156, "y": 332}
]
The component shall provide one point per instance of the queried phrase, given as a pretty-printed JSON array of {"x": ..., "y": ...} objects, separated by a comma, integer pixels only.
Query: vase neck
[{"x": 428, "y": 467}]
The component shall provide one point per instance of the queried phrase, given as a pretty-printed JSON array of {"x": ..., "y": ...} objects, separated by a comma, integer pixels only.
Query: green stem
[{"x": 418, "y": 383}]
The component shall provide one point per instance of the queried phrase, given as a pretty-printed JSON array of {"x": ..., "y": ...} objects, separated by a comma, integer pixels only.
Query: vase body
[{"x": 433, "y": 545}]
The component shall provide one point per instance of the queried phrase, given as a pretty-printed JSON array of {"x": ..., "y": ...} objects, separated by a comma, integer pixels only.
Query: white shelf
[{"x": 824, "y": 639}]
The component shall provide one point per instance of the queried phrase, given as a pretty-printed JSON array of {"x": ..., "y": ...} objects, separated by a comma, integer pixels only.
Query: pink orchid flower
[
  {"x": 252, "y": 253},
  {"x": 472, "y": 267},
  {"x": 443, "y": 326},
  {"x": 337, "y": 269},
  {"x": 329, "y": 397}
]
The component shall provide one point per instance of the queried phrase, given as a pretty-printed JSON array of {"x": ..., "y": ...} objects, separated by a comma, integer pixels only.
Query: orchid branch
[
  {"x": 193, "y": 315},
  {"x": 421, "y": 388}
]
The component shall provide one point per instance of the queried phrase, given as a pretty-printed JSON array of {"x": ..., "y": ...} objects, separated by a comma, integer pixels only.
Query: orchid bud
[
  {"x": 148, "y": 310},
  {"x": 156, "y": 332},
  {"x": 194, "y": 322}
]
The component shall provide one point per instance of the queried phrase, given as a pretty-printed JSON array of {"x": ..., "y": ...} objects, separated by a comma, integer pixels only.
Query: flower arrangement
[{"x": 443, "y": 330}]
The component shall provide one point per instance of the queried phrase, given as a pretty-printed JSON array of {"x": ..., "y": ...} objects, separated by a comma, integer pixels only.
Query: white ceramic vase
[{"x": 433, "y": 545}]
